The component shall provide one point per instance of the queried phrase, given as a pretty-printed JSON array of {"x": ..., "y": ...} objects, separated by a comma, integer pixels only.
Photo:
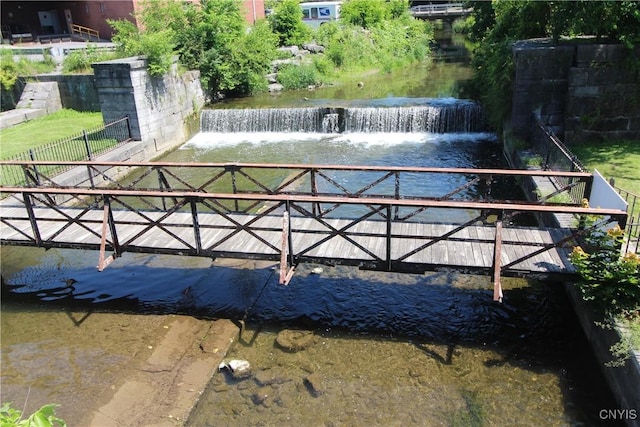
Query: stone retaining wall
[
  {"x": 160, "y": 108},
  {"x": 583, "y": 92}
]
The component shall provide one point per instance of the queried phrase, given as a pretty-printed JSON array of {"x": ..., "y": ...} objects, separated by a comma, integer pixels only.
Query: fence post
[
  {"x": 87, "y": 146},
  {"x": 32, "y": 156},
  {"x": 128, "y": 125}
]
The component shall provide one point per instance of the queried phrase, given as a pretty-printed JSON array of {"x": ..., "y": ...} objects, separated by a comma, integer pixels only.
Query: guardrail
[
  {"x": 85, "y": 32},
  {"x": 557, "y": 156},
  {"x": 440, "y": 9}
]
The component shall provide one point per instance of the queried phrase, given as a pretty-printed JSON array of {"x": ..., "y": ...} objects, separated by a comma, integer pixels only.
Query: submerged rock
[
  {"x": 293, "y": 340},
  {"x": 315, "y": 384}
]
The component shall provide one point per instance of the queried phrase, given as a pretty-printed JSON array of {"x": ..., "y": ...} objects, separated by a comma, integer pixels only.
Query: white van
[{"x": 317, "y": 13}]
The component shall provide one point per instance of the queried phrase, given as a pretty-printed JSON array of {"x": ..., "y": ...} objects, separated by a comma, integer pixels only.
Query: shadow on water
[{"x": 441, "y": 314}]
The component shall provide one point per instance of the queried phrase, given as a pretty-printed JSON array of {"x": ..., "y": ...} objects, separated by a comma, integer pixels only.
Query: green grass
[
  {"x": 614, "y": 159},
  {"x": 31, "y": 134}
]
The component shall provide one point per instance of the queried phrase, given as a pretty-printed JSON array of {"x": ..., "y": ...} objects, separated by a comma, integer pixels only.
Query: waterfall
[
  {"x": 263, "y": 120},
  {"x": 460, "y": 116}
]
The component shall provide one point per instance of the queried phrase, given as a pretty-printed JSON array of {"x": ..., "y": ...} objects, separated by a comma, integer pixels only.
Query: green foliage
[
  {"x": 286, "y": 22},
  {"x": 8, "y": 69},
  {"x": 496, "y": 24},
  {"x": 365, "y": 13},
  {"x": 43, "y": 417},
  {"x": 298, "y": 77},
  {"x": 251, "y": 58},
  {"x": 156, "y": 42},
  {"x": 389, "y": 44},
  {"x": 608, "y": 278},
  {"x": 399, "y": 9},
  {"x": 11, "y": 67},
  {"x": 80, "y": 60}
]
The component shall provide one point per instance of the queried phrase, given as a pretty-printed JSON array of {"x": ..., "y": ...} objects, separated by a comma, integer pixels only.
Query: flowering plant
[{"x": 608, "y": 277}]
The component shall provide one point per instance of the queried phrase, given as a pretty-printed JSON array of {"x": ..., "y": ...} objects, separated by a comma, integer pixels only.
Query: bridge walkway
[{"x": 376, "y": 225}]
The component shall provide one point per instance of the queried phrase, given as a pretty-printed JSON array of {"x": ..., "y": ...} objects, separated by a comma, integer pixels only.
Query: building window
[
  {"x": 103, "y": 8},
  {"x": 86, "y": 7}
]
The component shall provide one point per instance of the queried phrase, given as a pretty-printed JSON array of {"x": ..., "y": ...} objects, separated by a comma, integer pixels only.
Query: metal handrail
[{"x": 81, "y": 30}]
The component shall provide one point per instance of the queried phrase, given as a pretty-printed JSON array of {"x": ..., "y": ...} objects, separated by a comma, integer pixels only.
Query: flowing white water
[{"x": 442, "y": 117}]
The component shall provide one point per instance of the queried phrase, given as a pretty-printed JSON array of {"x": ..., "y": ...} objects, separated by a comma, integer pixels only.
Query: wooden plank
[{"x": 471, "y": 252}]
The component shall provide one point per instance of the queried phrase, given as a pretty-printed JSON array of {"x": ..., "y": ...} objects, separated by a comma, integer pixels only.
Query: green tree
[
  {"x": 286, "y": 22},
  {"x": 156, "y": 42},
  {"x": 497, "y": 24},
  {"x": 251, "y": 57},
  {"x": 221, "y": 26},
  {"x": 365, "y": 13}
]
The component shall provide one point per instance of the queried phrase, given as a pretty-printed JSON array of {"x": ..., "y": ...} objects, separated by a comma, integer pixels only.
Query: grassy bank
[
  {"x": 31, "y": 134},
  {"x": 613, "y": 159}
]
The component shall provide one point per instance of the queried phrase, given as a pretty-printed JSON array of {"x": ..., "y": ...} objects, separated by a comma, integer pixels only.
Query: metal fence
[
  {"x": 632, "y": 242},
  {"x": 557, "y": 156},
  {"x": 84, "y": 146}
]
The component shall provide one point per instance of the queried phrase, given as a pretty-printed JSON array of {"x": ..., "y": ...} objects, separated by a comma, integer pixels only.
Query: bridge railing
[
  {"x": 557, "y": 156},
  {"x": 440, "y": 9},
  {"x": 373, "y": 232},
  {"x": 312, "y": 180}
]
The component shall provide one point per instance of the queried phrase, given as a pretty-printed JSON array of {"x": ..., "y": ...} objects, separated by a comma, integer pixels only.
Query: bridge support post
[
  {"x": 286, "y": 273},
  {"x": 497, "y": 251},
  {"x": 107, "y": 223}
]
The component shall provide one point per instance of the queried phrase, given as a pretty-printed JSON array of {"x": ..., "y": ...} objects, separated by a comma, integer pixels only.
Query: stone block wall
[
  {"x": 77, "y": 91},
  {"x": 159, "y": 107},
  {"x": 41, "y": 96},
  {"x": 604, "y": 94},
  {"x": 580, "y": 91},
  {"x": 540, "y": 84}
]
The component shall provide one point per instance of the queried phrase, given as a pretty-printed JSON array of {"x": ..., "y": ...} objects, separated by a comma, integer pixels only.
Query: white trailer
[{"x": 315, "y": 14}]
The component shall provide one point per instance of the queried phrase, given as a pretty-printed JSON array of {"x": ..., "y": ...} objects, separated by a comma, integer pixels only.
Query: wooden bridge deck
[
  {"x": 364, "y": 244},
  {"x": 294, "y": 214}
]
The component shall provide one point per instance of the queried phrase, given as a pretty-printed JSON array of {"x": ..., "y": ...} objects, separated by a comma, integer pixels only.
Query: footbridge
[
  {"x": 440, "y": 11},
  {"x": 379, "y": 218}
]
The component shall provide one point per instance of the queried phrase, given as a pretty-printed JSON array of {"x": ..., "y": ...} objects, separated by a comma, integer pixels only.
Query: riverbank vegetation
[
  {"x": 234, "y": 60},
  {"x": 11, "y": 68},
  {"x": 610, "y": 281},
  {"x": 495, "y": 25}
]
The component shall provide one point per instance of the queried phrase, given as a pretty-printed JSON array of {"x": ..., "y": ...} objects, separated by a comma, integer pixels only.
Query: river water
[{"x": 384, "y": 349}]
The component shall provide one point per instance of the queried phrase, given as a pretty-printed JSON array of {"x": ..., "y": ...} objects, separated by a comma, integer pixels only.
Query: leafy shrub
[
  {"x": 389, "y": 44},
  {"x": 43, "y": 417},
  {"x": 251, "y": 58},
  {"x": 8, "y": 69},
  {"x": 298, "y": 76},
  {"x": 80, "y": 60},
  {"x": 11, "y": 69},
  {"x": 608, "y": 278},
  {"x": 286, "y": 22},
  {"x": 156, "y": 42},
  {"x": 365, "y": 13}
]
